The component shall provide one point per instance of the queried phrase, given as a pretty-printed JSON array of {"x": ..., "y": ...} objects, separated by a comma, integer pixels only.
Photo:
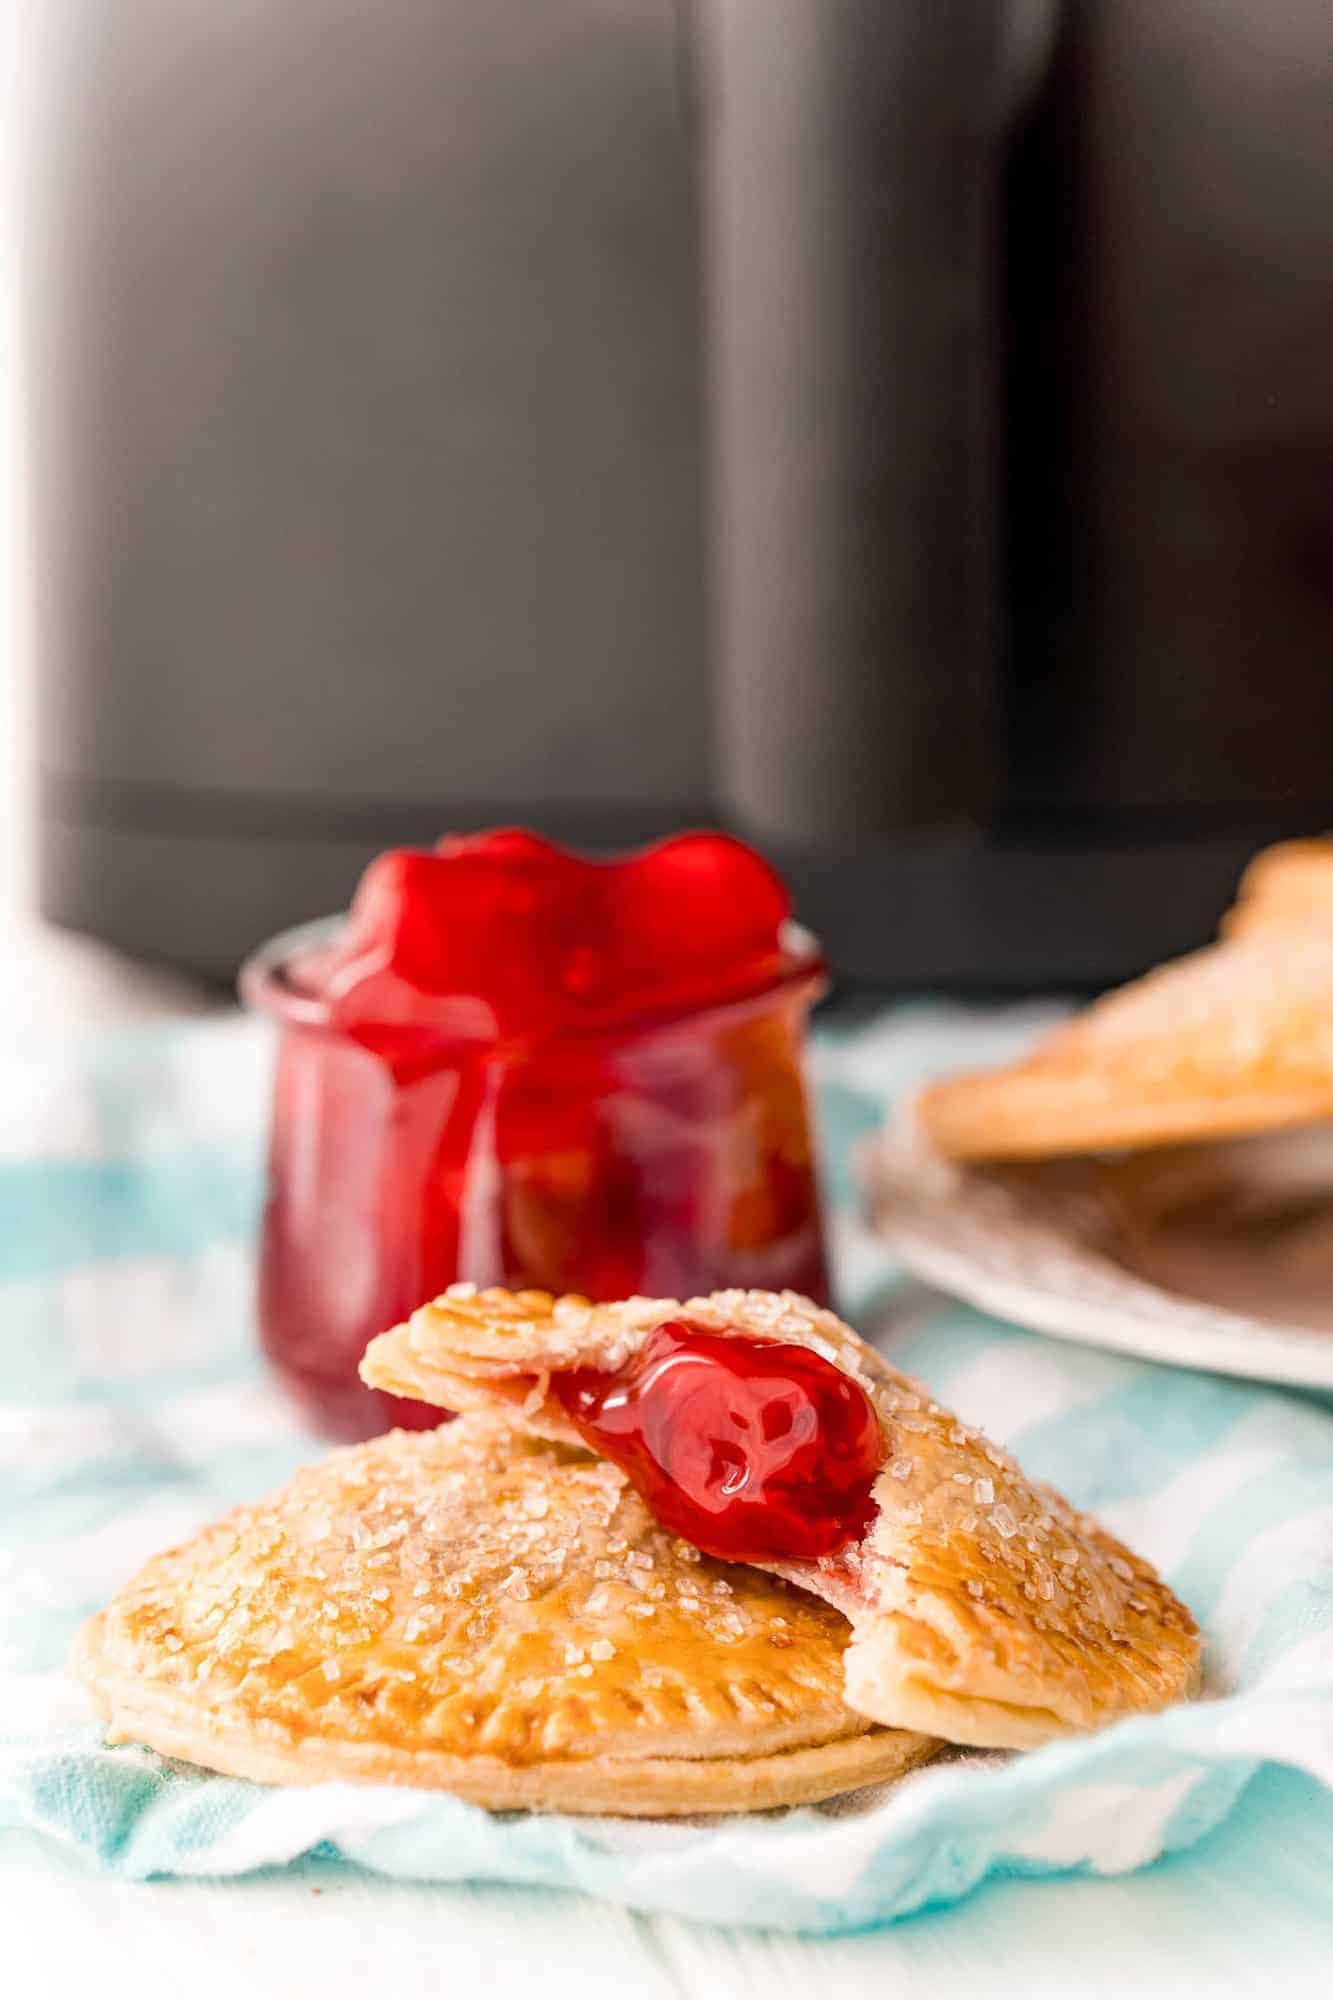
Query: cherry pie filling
[
  {"x": 751, "y": 1449},
  {"x": 519, "y": 1066}
]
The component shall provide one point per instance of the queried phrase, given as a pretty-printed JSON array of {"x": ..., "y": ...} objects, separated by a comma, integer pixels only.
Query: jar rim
[{"x": 266, "y": 984}]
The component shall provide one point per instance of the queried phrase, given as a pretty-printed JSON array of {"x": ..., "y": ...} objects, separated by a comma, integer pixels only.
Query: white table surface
[{"x": 324, "y": 1930}]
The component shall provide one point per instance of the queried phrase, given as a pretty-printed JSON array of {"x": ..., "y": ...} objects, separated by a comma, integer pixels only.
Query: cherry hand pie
[
  {"x": 507, "y": 1608},
  {"x": 1232, "y": 1040}
]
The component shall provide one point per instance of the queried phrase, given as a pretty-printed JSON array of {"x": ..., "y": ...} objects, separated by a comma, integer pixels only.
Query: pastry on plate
[
  {"x": 1235, "y": 1039},
  {"x": 1284, "y": 886},
  {"x": 475, "y": 1610},
  {"x": 983, "y": 1608}
]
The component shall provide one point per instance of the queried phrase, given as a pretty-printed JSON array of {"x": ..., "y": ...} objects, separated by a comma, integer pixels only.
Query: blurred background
[{"x": 903, "y": 434}]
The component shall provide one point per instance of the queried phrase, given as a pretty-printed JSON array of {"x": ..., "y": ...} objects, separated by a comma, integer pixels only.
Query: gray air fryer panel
[
  {"x": 370, "y": 441},
  {"x": 382, "y": 346}
]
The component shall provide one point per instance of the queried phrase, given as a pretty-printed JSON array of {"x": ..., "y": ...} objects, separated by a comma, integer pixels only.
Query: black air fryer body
[{"x": 903, "y": 433}]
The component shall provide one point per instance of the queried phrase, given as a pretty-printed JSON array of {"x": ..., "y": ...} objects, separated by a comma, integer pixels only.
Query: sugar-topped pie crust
[
  {"x": 984, "y": 1608},
  {"x": 1237, "y": 1038},
  {"x": 475, "y": 1610}
]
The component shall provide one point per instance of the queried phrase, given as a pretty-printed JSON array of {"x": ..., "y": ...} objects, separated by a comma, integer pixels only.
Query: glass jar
[{"x": 668, "y": 1157}]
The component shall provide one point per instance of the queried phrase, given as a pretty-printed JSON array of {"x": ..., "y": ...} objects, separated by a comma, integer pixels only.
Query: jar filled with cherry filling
[{"x": 518, "y": 1066}]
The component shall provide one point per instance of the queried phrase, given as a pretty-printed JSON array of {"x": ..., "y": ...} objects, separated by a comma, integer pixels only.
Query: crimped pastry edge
[{"x": 638, "y": 1788}]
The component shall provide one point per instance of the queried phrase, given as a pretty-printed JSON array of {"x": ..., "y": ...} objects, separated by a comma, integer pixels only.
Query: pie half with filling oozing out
[{"x": 983, "y": 1608}]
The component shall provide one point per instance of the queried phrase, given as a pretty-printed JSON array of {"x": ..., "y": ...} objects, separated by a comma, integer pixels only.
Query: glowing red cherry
[
  {"x": 698, "y": 913},
  {"x": 751, "y": 1449},
  {"x": 505, "y": 934}
]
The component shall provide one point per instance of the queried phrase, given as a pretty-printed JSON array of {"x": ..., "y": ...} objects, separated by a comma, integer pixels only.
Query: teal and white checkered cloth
[{"x": 133, "y": 1408}]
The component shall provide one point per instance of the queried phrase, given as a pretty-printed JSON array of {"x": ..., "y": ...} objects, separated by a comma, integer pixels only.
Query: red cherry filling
[
  {"x": 749, "y": 1448},
  {"x": 586, "y": 1076},
  {"x": 506, "y": 934}
]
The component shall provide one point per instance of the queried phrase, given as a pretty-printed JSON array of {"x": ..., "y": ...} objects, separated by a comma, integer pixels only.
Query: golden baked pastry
[
  {"x": 1284, "y": 886},
  {"x": 1237, "y": 1038},
  {"x": 984, "y": 1608},
  {"x": 474, "y": 1610}
]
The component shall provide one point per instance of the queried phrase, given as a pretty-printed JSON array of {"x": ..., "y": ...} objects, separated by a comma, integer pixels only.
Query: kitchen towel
[{"x": 133, "y": 1407}]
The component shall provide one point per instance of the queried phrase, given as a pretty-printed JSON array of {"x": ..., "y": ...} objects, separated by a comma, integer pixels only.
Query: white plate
[{"x": 1216, "y": 1257}]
